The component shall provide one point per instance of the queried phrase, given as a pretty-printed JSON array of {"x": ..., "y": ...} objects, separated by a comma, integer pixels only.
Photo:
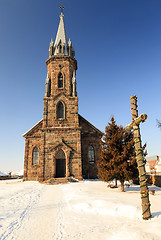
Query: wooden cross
[{"x": 139, "y": 156}]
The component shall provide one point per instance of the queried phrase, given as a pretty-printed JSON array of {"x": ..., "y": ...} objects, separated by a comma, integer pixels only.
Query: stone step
[{"x": 53, "y": 181}]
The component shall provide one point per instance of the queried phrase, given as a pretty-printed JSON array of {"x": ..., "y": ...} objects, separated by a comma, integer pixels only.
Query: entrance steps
[{"x": 54, "y": 181}]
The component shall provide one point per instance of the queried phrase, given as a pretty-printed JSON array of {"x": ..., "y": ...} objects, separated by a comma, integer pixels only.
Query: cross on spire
[{"x": 62, "y": 7}]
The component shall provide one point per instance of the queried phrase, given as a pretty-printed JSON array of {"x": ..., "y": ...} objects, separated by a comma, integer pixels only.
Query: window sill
[{"x": 61, "y": 119}]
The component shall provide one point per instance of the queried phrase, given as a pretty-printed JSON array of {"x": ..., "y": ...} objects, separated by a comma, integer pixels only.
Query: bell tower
[
  {"x": 60, "y": 101},
  {"x": 61, "y": 128}
]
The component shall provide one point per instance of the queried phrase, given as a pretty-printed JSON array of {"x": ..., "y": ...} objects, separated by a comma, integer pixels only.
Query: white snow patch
[
  {"x": 75, "y": 211},
  {"x": 108, "y": 208}
]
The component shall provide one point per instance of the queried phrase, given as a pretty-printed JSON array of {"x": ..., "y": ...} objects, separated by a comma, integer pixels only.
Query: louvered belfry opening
[{"x": 60, "y": 80}]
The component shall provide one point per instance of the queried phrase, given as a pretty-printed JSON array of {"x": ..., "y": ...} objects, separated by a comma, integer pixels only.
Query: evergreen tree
[{"x": 117, "y": 155}]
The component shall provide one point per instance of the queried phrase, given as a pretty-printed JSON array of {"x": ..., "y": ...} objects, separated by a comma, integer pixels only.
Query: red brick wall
[
  {"x": 31, "y": 171},
  {"x": 68, "y": 65},
  {"x": 71, "y": 138},
  {"x": 90, "y": 137}
]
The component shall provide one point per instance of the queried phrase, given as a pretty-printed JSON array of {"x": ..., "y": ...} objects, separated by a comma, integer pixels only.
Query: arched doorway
[{"x": 60, "y": 164}]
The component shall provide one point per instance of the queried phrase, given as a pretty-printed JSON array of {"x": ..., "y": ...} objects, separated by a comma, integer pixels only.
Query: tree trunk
[{"x": 122, "y": 187}]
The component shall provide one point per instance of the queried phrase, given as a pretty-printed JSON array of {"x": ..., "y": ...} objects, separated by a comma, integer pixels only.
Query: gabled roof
[
  {"x": 61, "y": 94},
  {"x": 38, "y": 125},
  {"x": 92, "y": 126},
  {"x": 61, "y": 144},
  {"x": 35, "y": 127}
]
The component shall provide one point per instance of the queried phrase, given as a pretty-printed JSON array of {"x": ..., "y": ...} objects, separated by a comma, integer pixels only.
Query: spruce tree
[{"x": 117, "y": 155}]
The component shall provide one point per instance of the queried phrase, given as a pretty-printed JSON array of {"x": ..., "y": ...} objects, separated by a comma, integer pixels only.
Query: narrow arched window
[
  {"x": 60, "y": 80},
  {"x": 35, "y": 159},
  {"x": 91, "y": 154},
  {"x": 60, "y": 111},
  {"x": 60, "y": 48},
  {"x": 49, "y": 88}
]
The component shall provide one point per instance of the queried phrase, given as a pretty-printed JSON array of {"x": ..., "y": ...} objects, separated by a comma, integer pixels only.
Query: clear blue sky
[{"x": 118, "y": 49}]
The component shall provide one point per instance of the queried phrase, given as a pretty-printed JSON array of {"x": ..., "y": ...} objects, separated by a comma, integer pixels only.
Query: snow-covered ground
[{"x": 86, "y": 210}]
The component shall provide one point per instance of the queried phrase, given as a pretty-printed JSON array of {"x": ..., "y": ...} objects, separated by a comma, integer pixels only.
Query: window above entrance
[{"x": 60, "y": 111}]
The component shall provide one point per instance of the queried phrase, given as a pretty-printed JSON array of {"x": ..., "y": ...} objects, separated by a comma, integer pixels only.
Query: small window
[
  {"x": 35, "y": 156},
  {"x": 91, "y": 154},
  {"x": 60, "y": 111},
  {"x": 60, "y": 80}
]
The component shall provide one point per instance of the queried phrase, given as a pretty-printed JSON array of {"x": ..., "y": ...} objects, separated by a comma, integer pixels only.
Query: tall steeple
[
  {"x": 61, "y": 46},
  {"x": 61, "y": 33}
]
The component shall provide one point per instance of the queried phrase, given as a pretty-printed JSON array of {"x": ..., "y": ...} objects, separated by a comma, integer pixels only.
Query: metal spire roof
[
  {"x": 61, "y": 46},
  {"x": 61, "y": 33}
]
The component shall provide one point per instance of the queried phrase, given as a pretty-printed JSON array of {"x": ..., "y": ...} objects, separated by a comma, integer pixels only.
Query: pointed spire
[
  {"x": 69, "y": 43},
  {"x": 61, "y": 34},
  {"x": 47, "y": 78},
  {"x": 48, "y": 87},
  {"x": 62, "y": 45},
  {"x": 74, "y": 77}
]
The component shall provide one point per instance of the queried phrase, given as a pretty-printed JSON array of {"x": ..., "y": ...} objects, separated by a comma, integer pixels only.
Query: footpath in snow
[{"x": 86, "y": 210}]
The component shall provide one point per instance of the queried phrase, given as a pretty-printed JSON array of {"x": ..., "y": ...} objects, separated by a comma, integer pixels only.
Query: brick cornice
[
  {"x": 52, "y": 129},
  {"x": 64, "y": 58}
]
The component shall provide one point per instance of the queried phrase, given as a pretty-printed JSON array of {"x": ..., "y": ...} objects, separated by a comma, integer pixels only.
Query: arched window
[
  {"x": 60, "y": 80},
  {"x": 91, "y": 154},
  {"x": 60, "y": 48},
  {"x": 49, "y": 88},
  {"x": 60, "y": 110},
  {"x": 35, "y": 159}
]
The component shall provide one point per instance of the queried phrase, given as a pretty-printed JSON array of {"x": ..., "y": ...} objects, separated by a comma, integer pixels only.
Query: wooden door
[{"x": 60, "y": 168}]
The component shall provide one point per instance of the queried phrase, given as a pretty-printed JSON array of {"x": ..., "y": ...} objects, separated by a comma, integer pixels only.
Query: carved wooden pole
[{"x": 139, "y": 156}]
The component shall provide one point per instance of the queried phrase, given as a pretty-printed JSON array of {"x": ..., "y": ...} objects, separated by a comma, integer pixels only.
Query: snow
[
  {"x": 75, "y": 211},
  {"x": 3, "y": 174},
  {"x": 17, "y": 173}
]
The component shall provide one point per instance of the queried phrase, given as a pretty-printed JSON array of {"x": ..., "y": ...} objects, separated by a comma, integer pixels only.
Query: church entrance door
[{"x": 60, "y": 164}]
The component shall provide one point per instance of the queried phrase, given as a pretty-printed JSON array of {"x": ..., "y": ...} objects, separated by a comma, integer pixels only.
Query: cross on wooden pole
[{"x": 139, "y": 156}]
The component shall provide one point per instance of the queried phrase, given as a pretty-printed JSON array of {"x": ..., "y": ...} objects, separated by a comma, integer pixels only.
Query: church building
[{"x": 63, "y": 143}]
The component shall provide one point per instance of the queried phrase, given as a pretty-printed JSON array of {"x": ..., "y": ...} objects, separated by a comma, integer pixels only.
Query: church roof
[
  {"x": 39, "y": 125},
  {"x": 89, "y": 124},
  {"x": 36, "y": 126}
]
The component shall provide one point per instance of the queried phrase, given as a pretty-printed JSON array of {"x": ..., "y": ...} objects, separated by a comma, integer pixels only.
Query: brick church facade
[{"x": 63, "y": 143}]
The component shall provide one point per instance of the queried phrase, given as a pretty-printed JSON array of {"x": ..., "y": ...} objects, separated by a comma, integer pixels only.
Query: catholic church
[{"x": 63, "y": 143}]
